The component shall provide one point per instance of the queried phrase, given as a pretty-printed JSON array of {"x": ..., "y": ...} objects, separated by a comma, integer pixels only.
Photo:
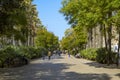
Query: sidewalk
[{"x": 61, "y": 68}]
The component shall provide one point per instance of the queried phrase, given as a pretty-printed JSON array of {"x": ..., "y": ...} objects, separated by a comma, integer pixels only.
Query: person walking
[
  {"x": 49, "y": 55},
  {"x": 68, "y": 53},
  {"x": 43, "y": 55}
]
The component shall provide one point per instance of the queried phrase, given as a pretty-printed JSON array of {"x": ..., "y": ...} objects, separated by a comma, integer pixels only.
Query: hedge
[
  {"x": 12, "y": 56},
  {"x": 100, "y": 55}
]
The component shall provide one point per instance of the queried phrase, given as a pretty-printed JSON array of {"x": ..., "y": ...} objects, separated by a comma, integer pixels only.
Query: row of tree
[
  {"x": 22, "y": 35},
  {"x": 18, "y": 21},
  {"x": 88, "y": 17},
  {"x": 19, "y": 24}
]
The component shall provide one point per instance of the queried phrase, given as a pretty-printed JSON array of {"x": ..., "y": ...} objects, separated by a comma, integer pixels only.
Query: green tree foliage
[
  {"x": 46, "y": 39},
  {"x": 18, "y": 20},
  {"x": 66, "y": 41},
  {"x": 12, "y": 14},
  {"x": 72, "y": 40},
  {"x": 18, "y": 25},
  {"x": 88, "y": 14}
]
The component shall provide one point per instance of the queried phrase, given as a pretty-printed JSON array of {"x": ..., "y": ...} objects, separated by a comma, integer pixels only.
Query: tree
[
  {"x": 18, "y": 21},
  {"x": 89, "y": 14},
  {"x": 12, "y": 18},
  {"x": 46, "y": 39}
]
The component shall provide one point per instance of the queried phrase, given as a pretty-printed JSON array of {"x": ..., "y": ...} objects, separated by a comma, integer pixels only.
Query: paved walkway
[{"x": 61, "y": 68}]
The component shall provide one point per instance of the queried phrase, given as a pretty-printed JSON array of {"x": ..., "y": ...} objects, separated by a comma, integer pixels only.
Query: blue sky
[{"x": 50, "y": 16}]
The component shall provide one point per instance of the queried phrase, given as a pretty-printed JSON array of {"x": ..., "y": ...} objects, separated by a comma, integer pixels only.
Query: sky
[{"x": 48, "y": 12}]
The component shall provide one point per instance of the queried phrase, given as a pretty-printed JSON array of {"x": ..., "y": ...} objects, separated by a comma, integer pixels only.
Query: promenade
[{"x": 61, "y": 68}]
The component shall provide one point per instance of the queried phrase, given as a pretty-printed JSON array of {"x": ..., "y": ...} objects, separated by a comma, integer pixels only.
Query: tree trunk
[
  {"x": 30, "y": 39},
  {"x": 105, "y": 37},
  {"x": 89, "y": 38},
  {"x": 95, "y": 45},
  {"x": 118, "y": 49},
  {"x": 109, "y": 32},
  {"x": 101, "y": 36}
]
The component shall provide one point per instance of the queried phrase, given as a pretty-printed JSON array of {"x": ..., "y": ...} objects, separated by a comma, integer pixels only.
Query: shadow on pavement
[
  {"x": 98, "y": 65},
  {"x": 118, "y": 75},
  {"x": 47, "y": 71}
]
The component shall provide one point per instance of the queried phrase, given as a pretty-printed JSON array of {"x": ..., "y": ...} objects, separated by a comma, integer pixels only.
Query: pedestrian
[
  {"x": 59, "y": 52},
  {"x": 49, "y": 55},
  {"x": 68, "y": 54},
  {"x": 43, "y": 55},
  {"x": 116, "y": 47}
]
